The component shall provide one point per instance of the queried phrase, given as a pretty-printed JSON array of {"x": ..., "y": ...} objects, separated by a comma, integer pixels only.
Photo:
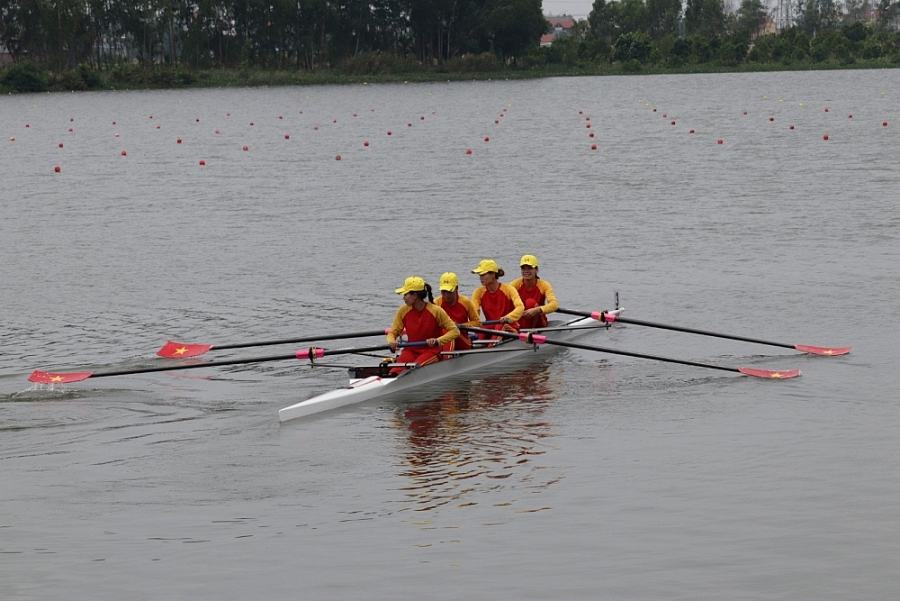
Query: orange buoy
[
  {"x": 202, "y": 162},
  {"x": 468, "y": 151},
  {"x": 57, "y": 169},
  {"x": 337, "y": 157}
]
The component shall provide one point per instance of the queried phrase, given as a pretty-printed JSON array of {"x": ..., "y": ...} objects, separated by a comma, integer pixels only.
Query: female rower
[
  {"x": 498, "y": 301},
  {"x": 424, "y": 322},
  {"x": 536, "y": 294},
  {"x": 458, "y": 307}
]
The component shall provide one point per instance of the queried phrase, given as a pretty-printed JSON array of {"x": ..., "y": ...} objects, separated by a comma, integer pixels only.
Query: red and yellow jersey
[
  {"x": 541, "y": 293},
  {"x": 504, "y": 302},
  {"x": 430, "y": 322},
  {"x": 463, "y": 312}
]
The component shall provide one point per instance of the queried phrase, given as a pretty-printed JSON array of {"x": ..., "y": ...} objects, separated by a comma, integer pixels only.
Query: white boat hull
[{"x": 373, "y": 387}]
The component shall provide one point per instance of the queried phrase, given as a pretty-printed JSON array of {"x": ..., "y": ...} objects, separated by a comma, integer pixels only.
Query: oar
[
  {"x": 178, "y": 350},
  {"x": 803, "y": 348},
  {"x": 43, "y": 377},
  {"x": 540, "y": 339}
]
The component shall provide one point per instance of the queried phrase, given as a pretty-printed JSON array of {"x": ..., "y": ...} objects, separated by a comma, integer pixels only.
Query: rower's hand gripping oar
[
  {"x": 181, "y": 350},
  {"x": 609, "y": 317},
  {"x": 43, "y": 377},
  {"x": 532, "y": 338}
]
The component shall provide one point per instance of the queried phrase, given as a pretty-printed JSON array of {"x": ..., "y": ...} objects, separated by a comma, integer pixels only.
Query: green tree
[
  {"x": 750, "y": 18},
  {"x": 704, "y": 17}
]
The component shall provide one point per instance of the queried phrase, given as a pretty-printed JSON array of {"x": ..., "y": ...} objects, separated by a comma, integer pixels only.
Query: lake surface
[{"x": 583, "y": 476}]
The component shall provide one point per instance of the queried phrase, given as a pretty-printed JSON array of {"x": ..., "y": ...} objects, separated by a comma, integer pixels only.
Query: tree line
[
  {"x": 280, "y": 34},
  {"x": 85, "y": 44}
]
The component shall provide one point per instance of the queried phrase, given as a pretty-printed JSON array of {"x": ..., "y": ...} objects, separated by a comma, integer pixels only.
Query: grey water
[{"x": 583, "y": 476}]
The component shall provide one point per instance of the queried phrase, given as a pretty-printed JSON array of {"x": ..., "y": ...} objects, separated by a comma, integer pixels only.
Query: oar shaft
[
  {"x": 664, "y": 326},
  {"x": 294, "y": 356},
  {"x": 589, "y": 347},
  {"x": 301, "y": 340}
]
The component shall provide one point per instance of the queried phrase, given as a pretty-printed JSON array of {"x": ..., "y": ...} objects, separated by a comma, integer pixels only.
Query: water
[{"x": 583, "y": 476}]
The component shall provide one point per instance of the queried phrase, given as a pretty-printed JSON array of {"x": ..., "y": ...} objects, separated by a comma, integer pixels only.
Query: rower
[
  {"x": 498, "y": 301},
  {"x": 423, "y": 321},
  {"x": 536, "y": 294},
  {"x": 459, "y": 308}
]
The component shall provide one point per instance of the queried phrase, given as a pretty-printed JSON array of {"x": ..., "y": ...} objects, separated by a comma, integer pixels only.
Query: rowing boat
[{"x": 374, "y": 382}]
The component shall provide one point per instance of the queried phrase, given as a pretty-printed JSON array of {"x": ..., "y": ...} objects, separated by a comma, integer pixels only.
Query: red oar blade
[
  {"x": 43, "y": 377},
  {"x": 822, "y": 350},
  {"x": 178, "y": 350},
  {"x": 766, "y": 373}
]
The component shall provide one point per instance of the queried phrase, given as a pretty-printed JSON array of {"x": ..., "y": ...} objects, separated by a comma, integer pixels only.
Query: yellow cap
[
  {"x": 449, "y": 282},
  {"x": 412, "y": 284},
  {"x": 529, "y": 260},
  {"x": 486, "y": 266}
]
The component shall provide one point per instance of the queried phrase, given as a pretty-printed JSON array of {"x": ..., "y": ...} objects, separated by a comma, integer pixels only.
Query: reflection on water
[{"x": 480, "y": 444}]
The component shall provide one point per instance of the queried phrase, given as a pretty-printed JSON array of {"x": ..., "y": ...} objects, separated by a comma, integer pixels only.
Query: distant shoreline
[{"x": 175, "y": 78}]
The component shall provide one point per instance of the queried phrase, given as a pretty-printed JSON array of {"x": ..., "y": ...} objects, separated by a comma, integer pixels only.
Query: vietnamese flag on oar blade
[
  {"x": 178, "y": 349},
  {"x": 43, "y": 377}
]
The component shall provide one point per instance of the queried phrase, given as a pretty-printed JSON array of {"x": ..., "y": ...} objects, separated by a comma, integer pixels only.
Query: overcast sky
[{"x": 579, "y": 9}]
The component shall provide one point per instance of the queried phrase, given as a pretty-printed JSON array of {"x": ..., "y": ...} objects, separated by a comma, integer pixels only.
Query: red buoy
[
  {"x": 246, "y": 148},
  {"x": 217, "y": 131},
  {"x": 826, "y": 109},
  {"x": 588, "y": 126},
  {"x": 673, "y": 123},
  {"x": 850, "y": 116},
  {"x": 315, "y": 128},
  {"x": 496, "y": 120},
  {"x": 468, "y": 151},
  {"x": 591, "y": 135},
  {"x": 124, "y": 153},
  {"x": 178, "y": 141},
  {"x": 389, "y": 133},
  {"x": 71, "y": 118},
  {"x": 745, "y": 112},
  {"x": 719, "y": 141},
  {"x": 71, "y": 130},
  {"x": 587, "y": 118},
  {"x": 197, "y": 120},
  {"x": 593, "y": 147},
  {"x": 57, "y": 169},
  {"x": 825, "y": 137},
  {"x": 654, "y": 110},
  {"x": 792, "y": 127},
  {"x": 422, "y": 118},
  {"x": 580, "y": 112},
  {"x": 409, "y": 125},
  {"x": 366, "y": 143},
  {"x": 692, "y": 131},
  {"x": 337, "y": 157},
  {"x": 114, "y": 122},
  {"x": 12, "y": 139},
  {"x": 287, "y": 136},
  {"x": 665, "y": 115},
  {"x": 487, "y": 139},
  {"x": 157, "y": 127},
  {"x": 884, "y": 124},
  {"x": 771, "y": 118},
  {"x": 27, "y": 125},
  {"x": 202, "y": 162},
  {"x": 251, "y": 124},
  {"x": 60, "y": 144},
  {"x": 280, "y": 117}
]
